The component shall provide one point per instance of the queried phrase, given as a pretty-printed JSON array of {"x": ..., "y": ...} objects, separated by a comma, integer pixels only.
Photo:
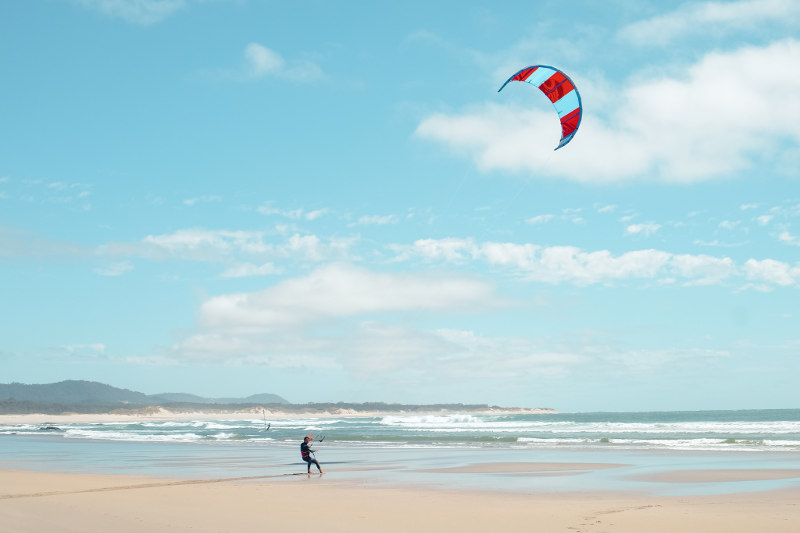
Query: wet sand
[
  {"x": 721, "y": 475},
  {"x": 523, "y": 468},
  {"x": 36, "y": 501}
]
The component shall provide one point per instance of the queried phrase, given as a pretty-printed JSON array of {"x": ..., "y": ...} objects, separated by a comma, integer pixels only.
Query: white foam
[
  {"x": 130, "y": 436},
  {"x": 428, "y": 421}
]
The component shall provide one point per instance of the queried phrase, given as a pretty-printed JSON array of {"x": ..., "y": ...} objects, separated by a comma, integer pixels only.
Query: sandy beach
[
  {"x": 52, "y": 483},
  {"x": 35, "y": 502}
]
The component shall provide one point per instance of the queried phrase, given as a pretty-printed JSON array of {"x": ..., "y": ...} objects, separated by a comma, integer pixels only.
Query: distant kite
[{"x": 560, "y": 90}]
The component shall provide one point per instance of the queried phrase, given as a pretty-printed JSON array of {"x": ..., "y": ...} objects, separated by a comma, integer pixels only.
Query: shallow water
[{"x": 413, "y": 450}]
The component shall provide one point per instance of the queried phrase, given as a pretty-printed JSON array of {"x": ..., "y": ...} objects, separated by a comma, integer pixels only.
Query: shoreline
[
  {"x": 41, "y": 501},
  {"x": 497, "y": 469},
  {"x": 398, "y": 453}
]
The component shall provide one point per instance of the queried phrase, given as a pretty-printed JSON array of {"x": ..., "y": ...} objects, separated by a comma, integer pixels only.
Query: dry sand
[{"x": 37, "y": 502}]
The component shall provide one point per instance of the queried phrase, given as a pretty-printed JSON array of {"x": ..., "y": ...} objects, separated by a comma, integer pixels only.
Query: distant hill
[
  {"x": 180, "y": 397},
  {"x": 72, "y": 392},
  {"x": 91, "y": 396}
]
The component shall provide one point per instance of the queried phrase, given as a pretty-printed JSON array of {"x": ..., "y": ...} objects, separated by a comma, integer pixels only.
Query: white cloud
[
  {"x": 399, "y": 353},
  {"x": 337, "y": 316},
  {"x": 207, "y": 199},
  {"x": 295, "y": 214},
  {"x": 497, "y": 136},
  {"x": 647, "y": 229},
  {"x": 315, "y": 214},
  {"x": 388, "y": 351},
  {"x": 114, "y": 269},
  {"x": 451, "y": 250},
  {"x": 143, "y": 12},
  {"x": 267, "y": 209},
  {"x": 338, "y": 291},
  {"x": 20, "y": 244},
  {"x": 378, "y": 220},
  {"x": 200, "y": 244},
  {"x": 710, "y": 17},
  {"x": 85, "y": 351},
  {"x": 253, "y": 349},
  {"x": 379, "y": 348},
  {"x": 73, "y": 196},
  {"x": 261, "y": 62},
  {"x": 703, "y": 269},
  {"x": 569, "y": 264},
  {"x": 709, "y": 122},
  {"x": 650, "y": 360},
  {"x": 771, "y": 271},
  {"x": 506, "y": 357},
  {"x": 788, "y": 238},
  {"x": 317, "y": 321},
  {"x": 232, "y": 247},
  {"x": 539, "y": 219},
  {"x": 345, "y": 318},
  {"x": 243, "y": 270}
]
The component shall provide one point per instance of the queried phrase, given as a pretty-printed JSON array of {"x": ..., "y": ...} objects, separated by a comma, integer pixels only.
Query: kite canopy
[{"x": 560, "y": 90}]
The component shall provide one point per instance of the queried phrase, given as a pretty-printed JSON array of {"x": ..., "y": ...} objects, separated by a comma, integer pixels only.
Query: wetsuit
[{"x": 305, "y": 453}]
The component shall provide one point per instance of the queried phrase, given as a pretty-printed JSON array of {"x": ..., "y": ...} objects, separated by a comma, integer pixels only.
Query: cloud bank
[
  {"x": 569, "y": 264},
  {"x": 345, "y": 318}
]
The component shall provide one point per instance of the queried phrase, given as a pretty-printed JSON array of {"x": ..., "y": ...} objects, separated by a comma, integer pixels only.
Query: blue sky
[{"x": 332, "y": 202}]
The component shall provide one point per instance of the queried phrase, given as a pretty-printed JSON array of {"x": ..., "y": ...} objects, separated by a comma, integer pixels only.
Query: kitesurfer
[{"x": 308, "y": 454}]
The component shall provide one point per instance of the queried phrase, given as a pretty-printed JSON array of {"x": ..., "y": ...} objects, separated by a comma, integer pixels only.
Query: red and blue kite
[{"x": 560, "y": 90}]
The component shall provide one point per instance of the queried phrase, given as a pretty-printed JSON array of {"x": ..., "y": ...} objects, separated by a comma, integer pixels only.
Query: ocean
[
  {"x": 751, "y": 430},
  {"x": 405, "y": 448}
]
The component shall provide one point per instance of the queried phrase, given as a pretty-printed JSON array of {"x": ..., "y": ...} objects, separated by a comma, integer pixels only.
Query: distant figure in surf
[{"x": 308, "y": 454}]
